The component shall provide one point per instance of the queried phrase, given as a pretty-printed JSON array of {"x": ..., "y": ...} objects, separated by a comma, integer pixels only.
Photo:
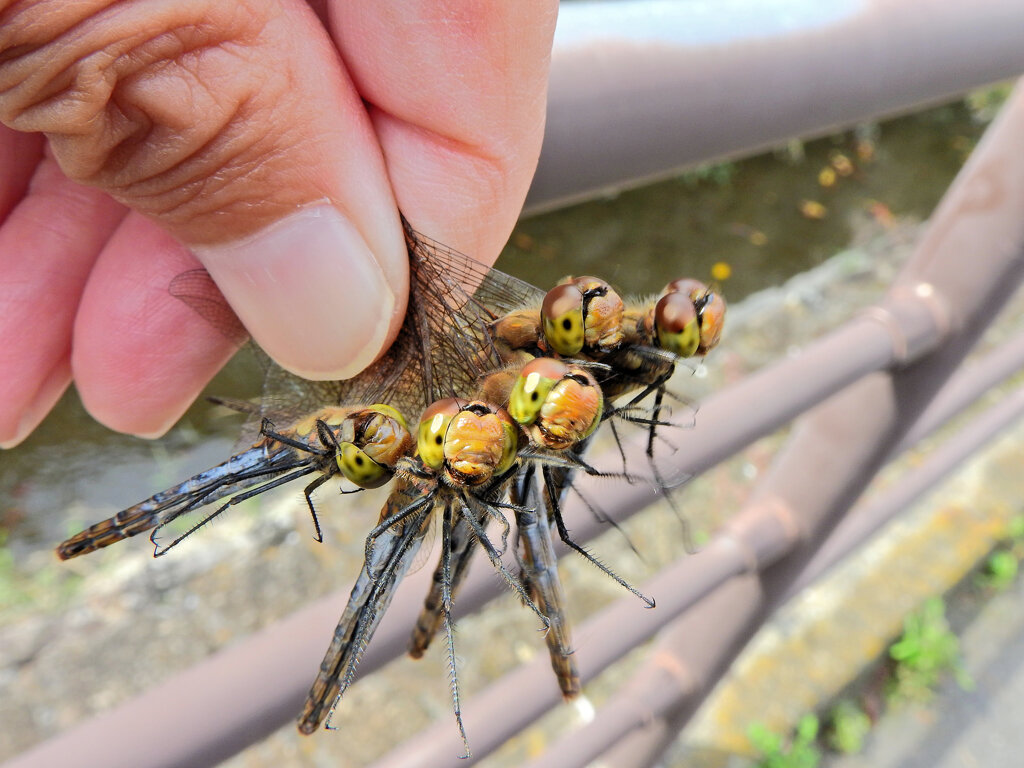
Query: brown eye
[
  {"x": 712, "y": 320},
  {"x": 687, "y": 286},
  {"x": 562, "y": 318},
  {"x": 676, "y": 325}
]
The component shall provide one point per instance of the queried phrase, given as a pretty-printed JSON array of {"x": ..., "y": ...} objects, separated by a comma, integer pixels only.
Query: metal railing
[{"x": 883, "y": 379}]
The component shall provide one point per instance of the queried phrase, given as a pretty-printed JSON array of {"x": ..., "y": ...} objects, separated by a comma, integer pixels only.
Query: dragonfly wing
[
  {"x": 441, "y": 350},
  {"x": 540, "y": 574},
  {"x": 242, "y": 471},
  {"x": 392, "y": 554}
]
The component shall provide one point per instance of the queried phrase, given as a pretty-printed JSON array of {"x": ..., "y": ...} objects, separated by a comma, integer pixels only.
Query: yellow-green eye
[
  {"x": 562, "y": 316},
  {"x": 533, "y": 387},
  {"x": 432, "y": 429},
  {"x": 709, "y": 306},
  {"x": 676, "y": 324},
  {"x": 510, "y": 444},
  {"x": 360, "y": 468}
]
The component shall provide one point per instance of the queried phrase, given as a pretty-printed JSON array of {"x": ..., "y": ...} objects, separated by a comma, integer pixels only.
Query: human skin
[{"x": 272, "y": 140}]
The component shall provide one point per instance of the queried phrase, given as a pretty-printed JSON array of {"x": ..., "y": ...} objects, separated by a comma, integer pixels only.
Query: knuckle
[{"x": 153, "y": 105}]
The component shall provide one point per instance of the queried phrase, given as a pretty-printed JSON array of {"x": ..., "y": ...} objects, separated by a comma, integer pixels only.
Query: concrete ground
[{"x": 964, "y": 728}]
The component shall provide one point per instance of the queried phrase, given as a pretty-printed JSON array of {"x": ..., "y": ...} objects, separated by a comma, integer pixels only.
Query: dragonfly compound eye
[
  {"x": 381, "y": 433},
  {"x": 430, "y": 436},
  {"x": 562, "y": 316},
  {"x": 603, "y": 309},
  {"x": 676, "y": 324},
  {"x": 359, "y": 468},
  {"x": 710, "y": 308},
  {"x": 712, "y": 319},
  {"x": 533, "y": 386},
  {"x": 509, "y": 442}
]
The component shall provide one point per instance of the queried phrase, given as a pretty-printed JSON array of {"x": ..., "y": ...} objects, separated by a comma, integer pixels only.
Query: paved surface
[{"x": 964, "y": 729}]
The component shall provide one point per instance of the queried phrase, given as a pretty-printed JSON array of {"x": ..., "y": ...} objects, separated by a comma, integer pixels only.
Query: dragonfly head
[
  {"x": 370, "y": 442},
  {"x": 582, "y": 313},
  {"x": 688, "y": 318},
  {"x": 470, "y": 442},
  {"x": 557, "y": 403}
]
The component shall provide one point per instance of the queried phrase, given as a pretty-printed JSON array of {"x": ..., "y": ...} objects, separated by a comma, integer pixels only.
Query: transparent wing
[{"x": 442, "y": 349}]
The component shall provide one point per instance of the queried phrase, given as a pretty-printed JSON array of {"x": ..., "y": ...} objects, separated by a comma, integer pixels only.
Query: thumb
[{"x": 236, "y": 128}]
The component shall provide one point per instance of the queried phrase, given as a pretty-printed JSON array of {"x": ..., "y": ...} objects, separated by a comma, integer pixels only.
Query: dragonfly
[
  {"x": 362, "y": 444},
  {"x": 553, "y": 406},
  {"x": 448, "y": 336},
  {"x": 583, "y": 317},
  {"x": 445, "y": 338},
  {"x": 558, "y": 405}
]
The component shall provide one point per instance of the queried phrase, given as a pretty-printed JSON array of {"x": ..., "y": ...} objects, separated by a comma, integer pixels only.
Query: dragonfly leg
[
  {"x": 392, "y": 520},
  {"x": 308, "y": 493},
  {"x": 464, "y": 545},
  {"x": 492, "y": 553},
  {"x": 563, "y": 534},
  {"x": 267, "y": 430},
  {"x": 446, "y": 607}
]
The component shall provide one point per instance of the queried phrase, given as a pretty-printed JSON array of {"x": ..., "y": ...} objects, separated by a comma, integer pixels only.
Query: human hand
[{"x": 275, "y": 144}]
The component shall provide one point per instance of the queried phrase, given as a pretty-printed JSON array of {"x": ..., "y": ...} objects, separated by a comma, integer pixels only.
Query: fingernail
[
  {"x": 310, "y": 291},
  {"x": 47, "y": 396}
]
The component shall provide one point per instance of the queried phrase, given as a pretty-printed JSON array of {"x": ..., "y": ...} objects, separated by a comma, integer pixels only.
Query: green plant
[
  {"x": 927, "y": 650},
  {"x": 1002, "y": 566},
  {"x": 850, "y": 725},
  {"x": 1000, "y": 570},
  {"x": 800, "y": 752},
  {"x": 719, "y": 174},
  {"x": 1015, "y": 529}
]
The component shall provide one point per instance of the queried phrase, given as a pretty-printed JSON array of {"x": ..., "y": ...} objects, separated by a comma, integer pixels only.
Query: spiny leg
[
  {"x": 464, "y": 545},
  {"x": 563, "y": 534},
  {"x": 599, "y": 515},
  {"x": 446, "y": 607},
  {"x": 267, "y": 430},
  {"x": 308, "y": 493},
  {"x": 393, "y": 520},
  {"x": 495, "y": 557},
  {"x": 662, "y": 485}
]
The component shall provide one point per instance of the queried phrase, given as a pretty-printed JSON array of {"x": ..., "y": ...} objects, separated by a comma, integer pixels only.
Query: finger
[
  {"x": 48, "y": 243},
  {"x": 235, "y": 127},
  {"x": 460, "y": 112},
  {"x": 20, "y": 153},
  {"x": 164, "y": 353}
]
